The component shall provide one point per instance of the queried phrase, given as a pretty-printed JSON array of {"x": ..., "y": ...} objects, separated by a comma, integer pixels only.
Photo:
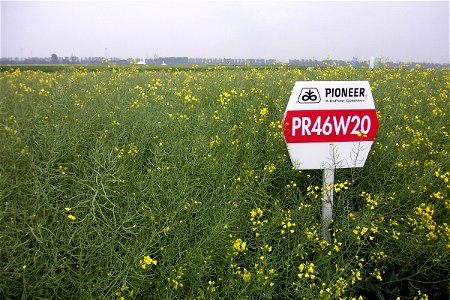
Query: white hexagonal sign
[{"x": 330, "y": 124}]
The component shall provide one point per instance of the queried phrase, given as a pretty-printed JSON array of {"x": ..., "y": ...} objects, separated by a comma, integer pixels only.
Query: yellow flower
[
  {"x": 258, "y": 212},
  {"x": 71, "y": 218},
  {"x": 147, "y": 261},
  {"x": 240, "y": 246},
  {"x": 247, "y": 276},
  {"x": 264, "y": 111}
]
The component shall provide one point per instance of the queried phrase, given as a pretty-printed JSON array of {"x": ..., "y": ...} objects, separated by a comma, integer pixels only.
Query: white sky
[{"x": 399, "y": 30}]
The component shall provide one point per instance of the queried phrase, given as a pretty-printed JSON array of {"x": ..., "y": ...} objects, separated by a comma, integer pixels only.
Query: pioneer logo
[
  {"x": 345, "y": 92},
  {"x": 309, "y": 95}
]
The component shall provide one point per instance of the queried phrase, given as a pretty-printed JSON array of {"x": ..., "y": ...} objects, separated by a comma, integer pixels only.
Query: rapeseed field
[{"x": 175, "y": 183}]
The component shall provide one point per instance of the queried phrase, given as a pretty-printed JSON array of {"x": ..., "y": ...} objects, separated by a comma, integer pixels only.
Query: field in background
[{"x": 131, "y": 183}]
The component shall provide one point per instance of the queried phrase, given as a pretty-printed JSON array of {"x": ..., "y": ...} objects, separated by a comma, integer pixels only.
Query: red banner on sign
[{"x": 322, "y": 126}]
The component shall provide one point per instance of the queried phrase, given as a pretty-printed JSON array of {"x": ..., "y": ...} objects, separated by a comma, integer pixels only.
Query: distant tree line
[
  {"x": 55, "y": 59},
  {"x": 68, "y": 60},
  {"x": 385, "y": 63}
]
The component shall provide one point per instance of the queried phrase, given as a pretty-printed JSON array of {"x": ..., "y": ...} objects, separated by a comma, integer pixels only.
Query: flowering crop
[{"x": 132, "y": 183}]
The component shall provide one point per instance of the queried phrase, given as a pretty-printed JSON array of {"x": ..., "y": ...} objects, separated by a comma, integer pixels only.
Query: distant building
[{"x": 142, "y": 62}]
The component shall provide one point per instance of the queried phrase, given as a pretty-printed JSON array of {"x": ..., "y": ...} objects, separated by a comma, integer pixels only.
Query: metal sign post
[{"x": 327, "y": 205}]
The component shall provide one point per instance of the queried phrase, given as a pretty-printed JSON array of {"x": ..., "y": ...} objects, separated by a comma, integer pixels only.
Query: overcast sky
[{"x": 399, "y": 30}]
